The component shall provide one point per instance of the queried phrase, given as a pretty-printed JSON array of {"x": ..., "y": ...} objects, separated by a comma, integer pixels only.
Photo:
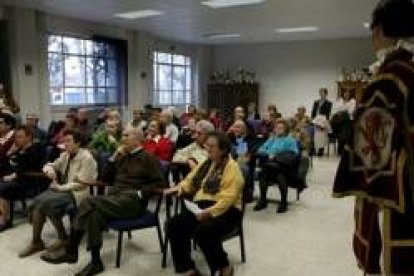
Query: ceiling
[{"x": 188, "y": 20}]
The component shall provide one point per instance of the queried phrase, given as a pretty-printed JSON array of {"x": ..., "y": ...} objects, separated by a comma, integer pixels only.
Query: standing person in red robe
[{"x": 377, "y": 164}]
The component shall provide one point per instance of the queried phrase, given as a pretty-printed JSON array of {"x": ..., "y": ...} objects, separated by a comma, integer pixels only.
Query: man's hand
[
  {"x": 50, "y": 173},
  {"x": 191, "y": 163},
  {"x": 119, "y": 152},
  {"x": 171, "y": 191},
  {"x": 203, "y": 216},
  {"x": 10, "y": 177},
  {"x": 54, "y": 186}
]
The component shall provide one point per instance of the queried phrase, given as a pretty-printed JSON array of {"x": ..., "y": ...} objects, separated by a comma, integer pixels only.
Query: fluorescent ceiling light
[
  {"x": 216, "y": 4},
  {"x": 297, "y": 29},
  {"x": 367, "y": 25},
  {"x": 223, "y": 35},
  {"x": 138, "y": 14}
]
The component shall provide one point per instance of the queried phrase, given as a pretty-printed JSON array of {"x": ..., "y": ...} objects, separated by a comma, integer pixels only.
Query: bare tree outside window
[
  {"x": 82, "y": 72},
  {"x": 172, "y": 79}
]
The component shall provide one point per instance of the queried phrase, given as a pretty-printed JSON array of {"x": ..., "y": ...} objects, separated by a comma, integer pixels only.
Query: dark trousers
[
  {"x": 248, "y": 174},
  {"x": 265, "y": 182},
  {"x": 12, "y": 190},
  {"x": 94, "y": 213},
  {"x": 208, "y": 236}
]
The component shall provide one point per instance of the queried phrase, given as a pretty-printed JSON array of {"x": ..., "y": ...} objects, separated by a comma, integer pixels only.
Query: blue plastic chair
[{"x": 148, "y": 220}]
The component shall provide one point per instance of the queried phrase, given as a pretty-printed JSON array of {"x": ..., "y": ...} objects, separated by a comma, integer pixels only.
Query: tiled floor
[{"x": 313, "y": 238}]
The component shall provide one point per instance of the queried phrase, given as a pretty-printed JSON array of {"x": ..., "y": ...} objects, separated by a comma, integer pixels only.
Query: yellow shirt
[{"x": 230, "y": 190}]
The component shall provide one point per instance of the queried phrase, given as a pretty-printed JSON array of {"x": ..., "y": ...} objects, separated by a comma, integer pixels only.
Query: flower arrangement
[{"x": 241, "y": 76}]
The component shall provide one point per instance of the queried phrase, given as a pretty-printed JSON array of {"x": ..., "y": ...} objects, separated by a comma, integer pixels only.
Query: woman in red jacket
[{"x": 156, "y": 143}]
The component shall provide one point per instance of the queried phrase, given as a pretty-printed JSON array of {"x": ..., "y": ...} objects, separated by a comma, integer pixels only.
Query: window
[
  {"x": 83, "y": 71},
  {"x": 172, "y": 79}
]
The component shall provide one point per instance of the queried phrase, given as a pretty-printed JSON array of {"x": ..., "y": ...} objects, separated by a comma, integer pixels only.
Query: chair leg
[
  {"x": 165, "y": 252},
  {"x": 242, "y": 248},
  {"x": 297, "y": 194},
  {"x": 160, "y": 239},
  {"x": 119, "y": 249},
  {"x": 11, "y": 211},
  {"x": 24, "y": 205},
  {"x": 129, "y": 235}
]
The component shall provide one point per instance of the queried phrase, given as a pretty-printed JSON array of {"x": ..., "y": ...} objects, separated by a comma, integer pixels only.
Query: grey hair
[
  {"x": 137, "y": 132},
  {"x": 205, "y": 126}
]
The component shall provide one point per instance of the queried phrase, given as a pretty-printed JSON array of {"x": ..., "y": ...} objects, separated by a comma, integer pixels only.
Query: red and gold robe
[{"x": 377, "y": 167}]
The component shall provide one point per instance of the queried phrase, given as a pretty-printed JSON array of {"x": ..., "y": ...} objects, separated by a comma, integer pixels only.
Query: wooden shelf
[{"x": 227, "y": 96}]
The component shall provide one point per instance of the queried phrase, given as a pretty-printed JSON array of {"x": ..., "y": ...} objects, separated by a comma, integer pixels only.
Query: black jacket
[{"x": 324, "y": 110}]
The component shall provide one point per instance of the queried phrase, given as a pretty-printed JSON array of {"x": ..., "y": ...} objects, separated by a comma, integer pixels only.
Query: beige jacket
[
  {"x": 192, "y": 151},
  {"x": 83, "y": 169}
]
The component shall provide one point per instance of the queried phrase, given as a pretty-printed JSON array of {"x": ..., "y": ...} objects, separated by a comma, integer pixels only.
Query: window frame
[
  {"x": 83, "y": 55},
  {"x": 187, "y": 81}
]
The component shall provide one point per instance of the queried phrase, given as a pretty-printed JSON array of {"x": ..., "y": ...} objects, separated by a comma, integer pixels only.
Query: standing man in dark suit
[{"x": 322, "y": 106}]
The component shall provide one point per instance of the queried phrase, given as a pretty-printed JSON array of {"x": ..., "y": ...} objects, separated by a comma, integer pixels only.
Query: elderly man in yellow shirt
[{"x": 215, "y": 186}]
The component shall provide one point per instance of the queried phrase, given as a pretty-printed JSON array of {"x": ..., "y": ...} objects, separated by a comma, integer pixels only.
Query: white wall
[
  {"x": 290, "y": 74},
  {"x": 28, "y": 31}
]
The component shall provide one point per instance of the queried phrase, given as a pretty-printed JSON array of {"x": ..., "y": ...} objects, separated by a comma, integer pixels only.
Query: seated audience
[
  {"x": 171, "y": 130},
  {"x": 71, "y": 123},
  {"x": 70, "y": 176},
  {"x": 111, "y": 114},
  {"x": 272, "y": 112},
  {"x": 195, "y": 153},
  {"x": 215, "y": 119},
  {"x": 102, "y": 116},
  {"x": 276, "y": 147},
  {"x": 156, "y": 142},
  {"x": 252, "y": 111},
  {"x": 301, "y": 116},
  {"x": 39, "y": 135},
  {"x": 243, "y": 148},
  {"x": 106, "y": 140},
  {"x": 23, "y": 157},
  {"x": 134, "y": 176},
  {"x": 191, "y": 112},
  {"x": 175, "y": 119},
  {"x": 268, "y": 123},
  {"x": 7, "y": 125},
  {"x": 138, "y": 119},
  {"x": 281, "y": 141},
  {"x": 84, "y": 126},
  {"x": 186, "y": 136},
  {"x": 239, "y": 114},
  {"x": 201, "y": 114},
  {"x": 216, "y": 187}
]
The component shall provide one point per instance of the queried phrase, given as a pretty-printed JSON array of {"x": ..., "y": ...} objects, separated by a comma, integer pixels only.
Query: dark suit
[{"x": 325, "y": 109}]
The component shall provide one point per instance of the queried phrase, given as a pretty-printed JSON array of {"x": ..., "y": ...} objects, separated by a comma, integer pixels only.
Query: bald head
[
  {"x": 239, "y": 113},
  {"x": 239, "y": 128},
  {"x": 132, "y": 138}
]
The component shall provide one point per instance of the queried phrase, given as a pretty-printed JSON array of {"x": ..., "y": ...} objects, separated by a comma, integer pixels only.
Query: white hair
[{"x": 205, "y": 126}]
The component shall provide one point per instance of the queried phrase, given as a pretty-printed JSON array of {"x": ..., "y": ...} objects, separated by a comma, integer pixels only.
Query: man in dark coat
[{"x": 135, "y": 175}]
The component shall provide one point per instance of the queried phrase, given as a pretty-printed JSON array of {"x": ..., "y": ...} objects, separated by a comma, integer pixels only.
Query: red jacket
[{"x": 163, "y": 149}]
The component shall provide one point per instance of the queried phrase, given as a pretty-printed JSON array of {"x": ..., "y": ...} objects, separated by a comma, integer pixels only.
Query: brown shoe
[
  {"x": 32, "y": 249},
  {"x": 57, "y": 245}
]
